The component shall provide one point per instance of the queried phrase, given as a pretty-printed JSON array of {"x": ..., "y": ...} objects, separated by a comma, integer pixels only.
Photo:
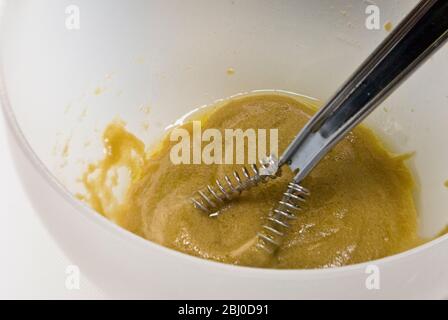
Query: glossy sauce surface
[{"x": 361, "y": 207}]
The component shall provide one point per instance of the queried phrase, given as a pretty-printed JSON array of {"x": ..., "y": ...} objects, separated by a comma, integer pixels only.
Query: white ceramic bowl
[{"x": 60, "y": 87}]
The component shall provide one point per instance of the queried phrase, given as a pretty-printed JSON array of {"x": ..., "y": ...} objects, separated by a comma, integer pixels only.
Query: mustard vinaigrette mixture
[{"x": 361, "y": 206}]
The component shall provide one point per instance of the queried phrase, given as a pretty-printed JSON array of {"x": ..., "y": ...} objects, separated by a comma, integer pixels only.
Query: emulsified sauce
[{"x": 361, "y": 206}]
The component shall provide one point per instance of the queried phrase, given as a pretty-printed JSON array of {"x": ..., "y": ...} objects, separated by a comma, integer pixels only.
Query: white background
[{"x": 31, "y": 264}]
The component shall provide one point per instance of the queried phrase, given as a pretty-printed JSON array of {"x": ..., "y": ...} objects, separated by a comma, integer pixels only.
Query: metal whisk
[{"x": 423, "y": 31}]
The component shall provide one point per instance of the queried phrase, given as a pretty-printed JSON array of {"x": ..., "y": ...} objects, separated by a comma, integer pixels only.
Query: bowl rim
[{"x": 19, "y": 138}]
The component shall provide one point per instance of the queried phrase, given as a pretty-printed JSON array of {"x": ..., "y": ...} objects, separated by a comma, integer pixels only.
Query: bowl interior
[{"x": 151, "y": 62}]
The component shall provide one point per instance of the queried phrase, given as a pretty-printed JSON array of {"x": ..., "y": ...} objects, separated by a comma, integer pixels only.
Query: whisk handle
[{"x": 423, "y": 31}]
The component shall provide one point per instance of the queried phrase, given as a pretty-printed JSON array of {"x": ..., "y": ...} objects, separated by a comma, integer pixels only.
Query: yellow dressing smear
[
  {"x": 361, "y": 206},
  {"x": 123, "y": 154}
]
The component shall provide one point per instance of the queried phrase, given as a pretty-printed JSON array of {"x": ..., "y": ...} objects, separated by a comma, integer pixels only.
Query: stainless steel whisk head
[{"x": 213, "y": 198}]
